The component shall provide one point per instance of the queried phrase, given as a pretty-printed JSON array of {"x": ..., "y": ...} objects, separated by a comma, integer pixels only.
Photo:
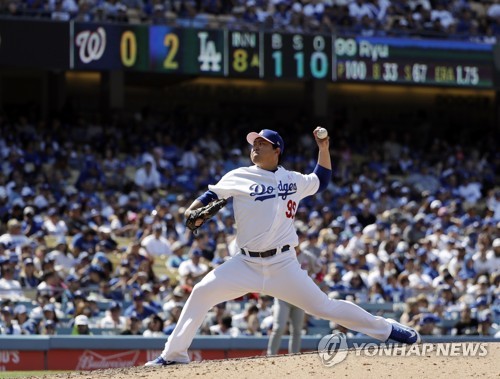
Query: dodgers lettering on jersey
[
  {"x": 265, "y": 204},
  {"x": 261, "y": 192}
]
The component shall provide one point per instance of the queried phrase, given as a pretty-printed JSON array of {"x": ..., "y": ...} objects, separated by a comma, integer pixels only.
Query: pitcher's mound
[{"x": 483, "y": 362}]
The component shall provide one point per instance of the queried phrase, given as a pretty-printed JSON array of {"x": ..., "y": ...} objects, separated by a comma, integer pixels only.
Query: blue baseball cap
[
  {"x": 429, "y": 318},
  {"x": 270, "y": 136}
]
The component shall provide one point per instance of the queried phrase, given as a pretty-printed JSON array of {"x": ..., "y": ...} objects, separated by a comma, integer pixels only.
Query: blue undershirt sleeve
[
  {"x": 207, "y": 197},
  {"x": 324, "y": 176}
]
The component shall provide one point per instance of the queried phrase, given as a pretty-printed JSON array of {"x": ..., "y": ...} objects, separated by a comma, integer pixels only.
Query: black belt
[{"x": 264, "y": 254}]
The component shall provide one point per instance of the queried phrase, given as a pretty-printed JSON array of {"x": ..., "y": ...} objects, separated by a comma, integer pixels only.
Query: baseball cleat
[
  {"x": 403, "y": 334},
  {"x": 160, "y": 362}
]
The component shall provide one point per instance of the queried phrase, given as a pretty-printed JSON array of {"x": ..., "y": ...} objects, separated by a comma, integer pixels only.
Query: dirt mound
[{"x": 437, "y": 361}]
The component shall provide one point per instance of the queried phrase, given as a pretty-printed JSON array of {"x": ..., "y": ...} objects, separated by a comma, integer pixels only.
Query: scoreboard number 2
[{"x": 171, "y": 42}]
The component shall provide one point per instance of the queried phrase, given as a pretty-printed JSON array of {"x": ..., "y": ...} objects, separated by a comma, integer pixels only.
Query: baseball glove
[{"x": 204, "y": 213}]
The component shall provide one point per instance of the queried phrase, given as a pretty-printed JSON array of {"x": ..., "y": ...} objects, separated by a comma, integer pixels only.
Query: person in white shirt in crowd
[
  {"x": 483, "y": 262},
  {"x": 14, "y": 236},
  {"x": 493, "y": 204},
  {"x": 155, "y": 244},
  {"x": 154, "y": 327},
  {"x": 225, "y": 328},
  {"x": 240, "y": 320},
  {"x": 494, "y": 10},
  {"x": 192, "y": 270},
  {"x": 178, "y": 299},
  {"x": 113, "y": 318},
  {"x": 470, "y": 189},
  {"x": 442, "y": 14},
  {"x": 360, "y": 8},
  {"x": 494, "y": 256},
  {"x": 63, "y": 258},
  {"x": 191, "y": 157},
  {"x": 9, "y": 287},
  {"x": 419, "y": 280},
  {"x": 147, "y": 178},
  {"x": 7, "y": 324},
  {"x": 54, "y": 225}
]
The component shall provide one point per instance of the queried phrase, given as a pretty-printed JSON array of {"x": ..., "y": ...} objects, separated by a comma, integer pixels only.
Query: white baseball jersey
[{"x": 265, "y": 203}]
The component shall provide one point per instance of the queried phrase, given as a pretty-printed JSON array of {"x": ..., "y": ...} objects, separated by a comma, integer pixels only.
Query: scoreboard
[
  {"x": 297, "y": 56},
  {"x": 407, "y": 61},
  {"x": 247, "y": 54}
]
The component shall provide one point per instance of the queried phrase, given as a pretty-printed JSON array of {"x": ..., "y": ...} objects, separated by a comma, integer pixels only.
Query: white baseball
[{"x": 322, "y": 133}]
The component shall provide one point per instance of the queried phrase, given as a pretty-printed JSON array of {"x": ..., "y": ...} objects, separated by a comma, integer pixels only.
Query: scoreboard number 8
[{"x": 240, "y": 60}]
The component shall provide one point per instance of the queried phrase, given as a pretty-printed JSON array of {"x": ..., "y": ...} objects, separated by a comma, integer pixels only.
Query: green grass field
[{"x": 26, "y": 374}]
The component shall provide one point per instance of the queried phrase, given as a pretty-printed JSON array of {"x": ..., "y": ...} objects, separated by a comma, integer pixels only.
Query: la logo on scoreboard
[{"x": 209, "y": 57}]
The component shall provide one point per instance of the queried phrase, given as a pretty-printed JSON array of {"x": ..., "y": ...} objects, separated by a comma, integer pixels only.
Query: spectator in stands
[
  {"x": 141, "y": 310},
  {"x": 49, "y": 328},
  {"x": 14, "y": 236},
  {"x": 240, "y": 320},
  {"x": 54, "y": 225},
  {"x": 63, "y": 258},
  {"x": 253, "y": 326},
  {"x": 409, "y": 316},
  {"x": 74, "y": 220},
  {"x": 81, "y": 325},
  {"x": 29, "y": 224},
  {"x": 86, "y": 241},
  {"x": 147, "y": 177},
  {"x": 50, "y": 285},
  {"x": 225, "y": 328},
  {"x": 113, "y": 318},
  {"x": 155, "y": 327},
  {"x": 192, "y": 270},
  {"x": 149, "y": 297},
  {"x": 9, "y": 287},
  {"x": 179, "y": 296},
  {"x": 485, "y": 323},
  {"x": 177, "y": 257},
  {"x": 7, "y": 324},
  {"x": 49, "y": 313},
  {"x": 28, "y": 277},
  {"x": 171, "y": 320},
  {"x": 427, "y": 324},
  {"x": 213, "y": 317},
  {"x": 155, "y": 243},
  {"x": 21, "y": 316},
  {"x": 133, "y": 326},
  {"x": 467, "y": 325}
]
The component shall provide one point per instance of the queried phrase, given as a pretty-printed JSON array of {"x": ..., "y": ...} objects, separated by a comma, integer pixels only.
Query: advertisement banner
[
  {"x": 93, "y": 359},
  {"x": 18, "y": 360}
]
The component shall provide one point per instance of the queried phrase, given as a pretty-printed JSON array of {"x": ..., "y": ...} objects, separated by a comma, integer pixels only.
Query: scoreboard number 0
[{"x": 128, "y": 48}]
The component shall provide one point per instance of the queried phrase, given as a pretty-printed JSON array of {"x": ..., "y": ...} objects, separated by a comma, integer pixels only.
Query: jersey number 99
[{"x": 291, "y": 209}]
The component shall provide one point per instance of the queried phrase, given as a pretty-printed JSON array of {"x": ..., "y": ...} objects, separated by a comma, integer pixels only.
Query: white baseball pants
[{"x": 279, "y": 276}]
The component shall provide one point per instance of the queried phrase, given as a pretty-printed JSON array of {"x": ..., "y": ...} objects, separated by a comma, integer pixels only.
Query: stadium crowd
[
  {"x": 89, "y": 211},
  {"x": 467, "y": 19}
]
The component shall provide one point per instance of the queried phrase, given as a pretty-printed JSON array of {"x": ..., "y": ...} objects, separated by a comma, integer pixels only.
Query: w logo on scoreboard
[{"x": 91, "y": 44}]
